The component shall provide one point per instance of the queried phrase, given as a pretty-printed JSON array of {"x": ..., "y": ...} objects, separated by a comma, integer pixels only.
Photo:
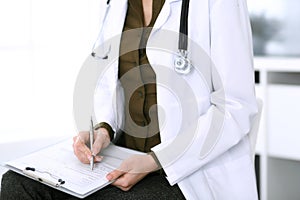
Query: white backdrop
[{"x": 43, "y": 44}]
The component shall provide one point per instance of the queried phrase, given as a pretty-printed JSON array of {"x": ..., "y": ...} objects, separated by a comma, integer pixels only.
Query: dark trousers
[{"x": 154, "y": 186}]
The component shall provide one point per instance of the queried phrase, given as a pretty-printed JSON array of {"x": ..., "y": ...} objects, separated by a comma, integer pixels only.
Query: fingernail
[
  {"x": 98, "y": 158},
  {"x": 90, "y": 157},
  {"x": 109, "y": 177}
]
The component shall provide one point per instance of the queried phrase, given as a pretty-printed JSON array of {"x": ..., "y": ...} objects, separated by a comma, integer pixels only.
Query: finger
[
  {"x": 82, "y": 156},
  {"x": 97, "y": 146},
  {"x": 80, "y": 146},
  {"x": 82, "y": 152},
  {"x": 84, "y": 135},
  {"x": 74, "y": 139},
  {"x": 123, "y": 182},
  {"x": 101, "y": 140},
  {"x": 114, "y": 175},
  {"x": 98, "y": 158}
]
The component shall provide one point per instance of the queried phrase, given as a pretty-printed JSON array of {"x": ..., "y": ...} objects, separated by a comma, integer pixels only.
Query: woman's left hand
[{"x": 131, "y": 171}]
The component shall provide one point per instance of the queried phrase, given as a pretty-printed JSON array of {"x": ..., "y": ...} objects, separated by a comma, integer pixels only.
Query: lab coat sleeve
[
  {"x": 105, "y": 98},
  {"x": 233, "y": 95}
]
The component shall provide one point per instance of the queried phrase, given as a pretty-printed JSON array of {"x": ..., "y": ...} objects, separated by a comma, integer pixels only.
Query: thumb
[
  {"x": 114, "y": 174},
  {"x": 97, "y": 146},
  {"x": 99, "y": 143},
  {"x": 98, "y": 158}
]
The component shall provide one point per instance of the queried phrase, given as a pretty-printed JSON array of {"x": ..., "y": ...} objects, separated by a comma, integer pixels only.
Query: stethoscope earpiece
[
  {"x": 102, "y": 57},
  {"x": 93, "y": 54}
]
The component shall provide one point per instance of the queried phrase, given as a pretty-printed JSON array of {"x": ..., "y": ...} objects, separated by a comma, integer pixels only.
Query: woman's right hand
[{"x": 83, "y": 152}]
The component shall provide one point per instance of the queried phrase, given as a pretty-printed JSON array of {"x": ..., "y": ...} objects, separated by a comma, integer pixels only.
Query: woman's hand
[
  {"x": 82, "y": 151},
  {"x": 131, "y": 171}
]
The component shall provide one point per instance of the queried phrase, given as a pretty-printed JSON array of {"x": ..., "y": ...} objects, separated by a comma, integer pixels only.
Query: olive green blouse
[{"x": 138, "y": 80}]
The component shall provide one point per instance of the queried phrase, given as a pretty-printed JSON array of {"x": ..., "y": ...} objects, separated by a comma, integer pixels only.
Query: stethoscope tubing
[
  {"x": 182, "y": 64},
  {"x": 183, "y": 28}
]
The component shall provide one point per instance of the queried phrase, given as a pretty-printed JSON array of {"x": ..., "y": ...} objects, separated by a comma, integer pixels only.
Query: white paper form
[{"x": 59, "y": 162}]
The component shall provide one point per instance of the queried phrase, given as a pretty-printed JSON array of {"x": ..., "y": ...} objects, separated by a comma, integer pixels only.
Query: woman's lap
[{"x": 154, "y": 186}]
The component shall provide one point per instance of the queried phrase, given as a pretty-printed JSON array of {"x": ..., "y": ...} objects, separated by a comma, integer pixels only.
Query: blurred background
[
  {"x": 276, "y": 27},
  {"x": 276, "y": 44},
  {"x": 43, "y": 45}
]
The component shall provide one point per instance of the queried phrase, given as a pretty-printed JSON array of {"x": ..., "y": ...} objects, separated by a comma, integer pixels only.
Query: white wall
[{"x": 43, "y": 44}]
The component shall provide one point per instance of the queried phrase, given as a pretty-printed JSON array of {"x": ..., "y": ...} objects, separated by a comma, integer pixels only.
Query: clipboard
[{"x": 58, "y": 167}]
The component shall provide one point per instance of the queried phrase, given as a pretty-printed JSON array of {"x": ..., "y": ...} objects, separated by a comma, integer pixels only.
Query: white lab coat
[{"x": 223, "y": 168}]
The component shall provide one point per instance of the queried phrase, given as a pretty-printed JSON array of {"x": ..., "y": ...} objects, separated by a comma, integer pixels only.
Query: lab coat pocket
[{"x": 233, "y": 180}]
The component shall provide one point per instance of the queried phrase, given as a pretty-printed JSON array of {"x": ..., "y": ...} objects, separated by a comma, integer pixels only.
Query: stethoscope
[{"x": 182, "y": 64}]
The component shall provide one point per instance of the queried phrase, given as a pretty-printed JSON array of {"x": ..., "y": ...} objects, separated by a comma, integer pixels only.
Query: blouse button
[{"x": 140, "y": 94}]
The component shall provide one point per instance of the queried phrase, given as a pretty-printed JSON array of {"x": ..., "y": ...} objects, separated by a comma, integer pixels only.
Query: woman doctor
[
  {"x": 208, "y": 157},
  {"x": 196, "y": 136}
]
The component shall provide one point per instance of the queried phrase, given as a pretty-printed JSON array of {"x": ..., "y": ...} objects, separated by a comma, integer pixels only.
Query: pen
[{"x": 91, "y": 143}]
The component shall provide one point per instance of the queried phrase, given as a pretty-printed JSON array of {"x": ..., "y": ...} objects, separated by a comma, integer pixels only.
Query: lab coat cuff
[{"x": 166, "y": 168}]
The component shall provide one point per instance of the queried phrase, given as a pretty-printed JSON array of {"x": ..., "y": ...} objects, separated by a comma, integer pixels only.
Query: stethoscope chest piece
[{"x": 182, "y": 65}]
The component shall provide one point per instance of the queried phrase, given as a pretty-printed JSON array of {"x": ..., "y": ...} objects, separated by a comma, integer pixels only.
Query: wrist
[
  {"x": 155, "y": 160},
  {"x": 151, "y": 164},
  {"x": 108, "y": 130},
  {"x": 102, "y": 132}
]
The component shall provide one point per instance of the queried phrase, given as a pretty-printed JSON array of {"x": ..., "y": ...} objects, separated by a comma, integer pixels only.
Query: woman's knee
[
  {"x": 16, "y": 186},
  {"x": 11, "y": 185}
]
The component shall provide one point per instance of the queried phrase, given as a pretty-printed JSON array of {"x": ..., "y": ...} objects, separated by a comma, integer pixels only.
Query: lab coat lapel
[
  {"x": 163, "y": 30},
  {"x": 164, "y": 15},
  {"x": 116, "y": 18},
  {"x": 113, "y": 31}
]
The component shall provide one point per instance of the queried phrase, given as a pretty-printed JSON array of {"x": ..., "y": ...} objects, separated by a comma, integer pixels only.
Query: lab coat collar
[
  {"x": 119, "y": 10},
  {"x": 162, "y": 18},
  {"x": 164, "y": 15}
]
